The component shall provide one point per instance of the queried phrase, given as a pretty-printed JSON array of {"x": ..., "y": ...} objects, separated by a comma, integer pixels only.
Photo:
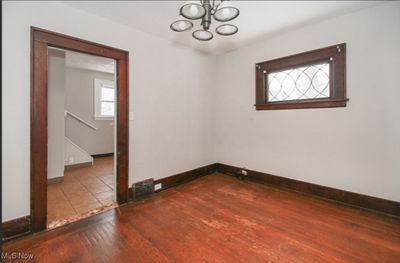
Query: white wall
[
  {"x": 356, "y": 148},
  {"x": 80, "y": 101},
  {"x": 75, "y": 154},
  {"x": 56, "y": 124},
  {"x": 172, "y": 131},
  {"x": 184, "y": 118}
]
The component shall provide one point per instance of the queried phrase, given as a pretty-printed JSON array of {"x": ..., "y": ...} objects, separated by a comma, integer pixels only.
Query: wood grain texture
[
  {"x": 40, "y": 41},
  {"x": 122, "y": 129},
  {"x": 348, "y": 198},
  {"x": 54, "y": 39},
  {"x": 181, "y": 178},
  {"x": 303, "y": 104},
  {"x": 15, "y": 228},
  {"x": 185, "y": 177},
  {"x": 218, "y": 218},
  {"x": 334, "y": 55},
  {"x": 38, "y": 135}
]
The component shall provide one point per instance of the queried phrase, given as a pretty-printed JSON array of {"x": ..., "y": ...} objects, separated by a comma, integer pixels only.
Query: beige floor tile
[
  {"x": 87, "y": 207},
  {"x": 98, "y": 189},
  {"x": 82, "y": 190},
  {"x": 108, "y": 195}
]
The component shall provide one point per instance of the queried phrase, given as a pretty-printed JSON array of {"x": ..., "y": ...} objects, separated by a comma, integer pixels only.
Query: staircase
[{"x": 75, "y": 155}]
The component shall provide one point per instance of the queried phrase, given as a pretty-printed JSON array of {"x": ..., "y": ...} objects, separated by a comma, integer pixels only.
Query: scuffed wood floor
[{"x": 218, "y": 218}]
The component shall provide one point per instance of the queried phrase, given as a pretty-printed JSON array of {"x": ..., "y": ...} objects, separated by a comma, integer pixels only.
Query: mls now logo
[{"x": 16, "y": 256}]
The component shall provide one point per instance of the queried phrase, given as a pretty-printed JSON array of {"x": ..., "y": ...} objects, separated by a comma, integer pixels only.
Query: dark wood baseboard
[
  {"x": 102, "y": 155},
  {"x": 21, "y": 226},
  {"x": 181, "y": 178},
  {"x": 15, "y": 228},
  {"x": 55, "y": 180},
  {"x": 348, "y": 198},
  {"x": 78, "y": 165}
]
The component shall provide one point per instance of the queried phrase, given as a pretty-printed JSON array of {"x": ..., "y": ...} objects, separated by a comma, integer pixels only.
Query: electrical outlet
[
  {"x": 157, "y": 186},
  {"x": 243, "y": 172}
]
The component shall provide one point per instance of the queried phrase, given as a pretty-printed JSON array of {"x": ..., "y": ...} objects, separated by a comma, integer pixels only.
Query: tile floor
[{"x": 83, "y": 189}]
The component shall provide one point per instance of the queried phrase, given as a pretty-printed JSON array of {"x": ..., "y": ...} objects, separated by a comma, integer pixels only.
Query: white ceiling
[
  {"x": 90, "y": 62},
  {"x": 86, "y": 61},
  {"x": 257, "y": 20}
]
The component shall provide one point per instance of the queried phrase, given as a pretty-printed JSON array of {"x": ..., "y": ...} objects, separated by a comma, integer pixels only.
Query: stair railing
[{"x": 66, "y": 113}]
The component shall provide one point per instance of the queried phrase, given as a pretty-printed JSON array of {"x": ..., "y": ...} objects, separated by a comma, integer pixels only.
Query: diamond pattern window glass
[
  {"x": 309, "y": 82},
  {"x": 312, "y": 79}
]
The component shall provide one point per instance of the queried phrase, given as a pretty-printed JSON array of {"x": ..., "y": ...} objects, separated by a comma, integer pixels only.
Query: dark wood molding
[
  {"x": 40, "y": 41},
  {"x": 21, "y": 226},
  {"x": 38, "y": 135},
  {"x": 211, "y": 220},
  {"x": 15, "y": 228},
  {"x": 303, "y": 104},
  {"x": 181, "y": 178},
  {"x": 55, "y": 180},
  {"x": 122, "y": 149},
  {"x": 78, "y": 165},
  {"x": 83, "y": 223},
  {"x": 334, "y": 55},
  {"x": 346, "y": 197},
  {"x": 59, "y": 40},
  {"x": 100, "y": 155}
]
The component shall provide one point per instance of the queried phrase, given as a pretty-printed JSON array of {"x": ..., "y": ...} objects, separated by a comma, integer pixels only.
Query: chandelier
[{"x": 222, "y": 11}]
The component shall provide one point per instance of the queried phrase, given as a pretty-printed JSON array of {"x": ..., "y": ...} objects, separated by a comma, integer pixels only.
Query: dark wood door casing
[{"x": 40, "y": 41}]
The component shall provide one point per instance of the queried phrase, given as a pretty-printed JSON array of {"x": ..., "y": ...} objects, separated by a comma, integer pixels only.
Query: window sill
[
  {"x": 97, "y": 118},
  {"x": 302, "y": 104}
]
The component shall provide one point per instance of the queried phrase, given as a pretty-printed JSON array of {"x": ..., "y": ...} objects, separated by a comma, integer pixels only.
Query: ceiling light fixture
[
  {"x": 226, "y": 12},
  {"x": 193, "y": 10},
  {"x": 222, "y": 11},
  {"x": 181, "y": 24},
  {"x": 226, "y": 29},
  {"x": 202, "y": 35}
]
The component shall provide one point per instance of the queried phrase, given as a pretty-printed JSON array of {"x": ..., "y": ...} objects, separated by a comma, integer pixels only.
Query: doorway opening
[
  {"x": 63, "y": 151},
  {"x": 81, "y": 147}
]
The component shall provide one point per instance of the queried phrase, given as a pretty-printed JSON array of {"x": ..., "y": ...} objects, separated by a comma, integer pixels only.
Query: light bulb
[
  {"x": 226, "y": 12},
  {"x": 203, "y": 35},
  {"x": 193, "y": 10},
  {"x": 181, "y": 24},
  {"x": 226, "y": 29}
]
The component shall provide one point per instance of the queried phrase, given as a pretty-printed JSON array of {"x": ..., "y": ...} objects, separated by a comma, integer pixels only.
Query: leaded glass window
[
  {"x": 309, "y": 82},
  {"x": 313, "y": 79}
]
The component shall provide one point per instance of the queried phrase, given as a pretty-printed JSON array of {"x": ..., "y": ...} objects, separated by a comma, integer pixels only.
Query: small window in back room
[
  {"x": 313, "y": 79},
  {"x": 309, "y": 82},
  {"x": 104, "y": 99}
]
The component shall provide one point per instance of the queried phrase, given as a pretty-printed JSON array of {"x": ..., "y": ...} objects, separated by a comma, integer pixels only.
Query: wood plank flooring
[{"x": 218, "y": 218}]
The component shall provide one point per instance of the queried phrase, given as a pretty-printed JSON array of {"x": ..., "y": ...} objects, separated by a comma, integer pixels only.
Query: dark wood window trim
[
  {"x": 40, "y": 41},
  {"x": 334, "y": 55}
]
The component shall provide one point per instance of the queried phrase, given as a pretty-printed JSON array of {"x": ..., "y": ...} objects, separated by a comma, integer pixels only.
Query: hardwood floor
[
  {"x": 83, "y": 189},
  {"x": 218, "y": 218}
]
